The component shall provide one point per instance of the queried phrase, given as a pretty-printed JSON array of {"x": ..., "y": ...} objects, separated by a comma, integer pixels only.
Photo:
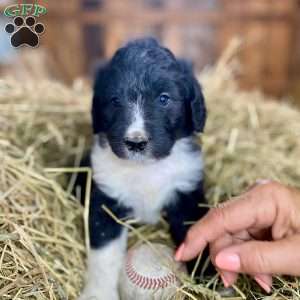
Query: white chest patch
[{"x": 147, "y": 187}]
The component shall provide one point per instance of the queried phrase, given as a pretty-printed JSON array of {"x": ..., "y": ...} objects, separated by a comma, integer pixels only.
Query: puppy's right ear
[{"x": 97, "y": 116}]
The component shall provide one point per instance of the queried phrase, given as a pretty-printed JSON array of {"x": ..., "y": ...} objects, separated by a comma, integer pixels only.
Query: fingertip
[
  {"x": 266, "y": 278},
  {"x": 179, "y": 252},
  {"x": 190, "y": 248},
  {"x": 228, "y": 261},
  {"x": 263, "y": 283},
  {"x": 225, "y": 281},
  {"x": 186, "y": 253},
  {"x": 228, "y": 278}
]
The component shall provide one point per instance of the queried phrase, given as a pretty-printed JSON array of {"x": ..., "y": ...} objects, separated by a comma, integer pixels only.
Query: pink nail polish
[
  {"x": 263, "y": 181},
  {"x": 263, "y": 284},
  {"x": 225, "y": 282},
  {"x": 179, "y": 252},
  {"x": 228, "y": 261}
]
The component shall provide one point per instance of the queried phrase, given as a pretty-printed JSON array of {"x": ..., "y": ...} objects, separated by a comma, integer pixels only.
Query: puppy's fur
[{"x": 146, "y": 109}]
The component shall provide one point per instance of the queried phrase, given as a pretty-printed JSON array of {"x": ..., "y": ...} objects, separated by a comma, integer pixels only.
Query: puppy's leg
[
  {"x": 108, "y": 244},
  {"x": 186, "y": 209},
  {"x": 104, "y": 266}
]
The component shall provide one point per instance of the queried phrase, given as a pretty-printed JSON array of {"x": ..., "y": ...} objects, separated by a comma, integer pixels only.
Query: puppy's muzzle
[{"x": 136, "y": 142}]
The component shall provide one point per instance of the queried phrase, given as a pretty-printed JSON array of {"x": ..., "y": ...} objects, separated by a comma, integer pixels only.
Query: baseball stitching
[{"x": 147, "y": 283}]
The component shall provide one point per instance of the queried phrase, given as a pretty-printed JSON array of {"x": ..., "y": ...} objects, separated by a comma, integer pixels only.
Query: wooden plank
[
  {"x": 196, "y": 43},
  {"x": 254, "y": 53},
  {"x": 203, "y": 5},
  {"x": 153, "y": 16},
  {"x": 265, "y": 56},
  {"x": 276, "y": 86},
  {"x": 279, "y": 59},
  {"x": 167, "y": 15},
  {"x": 118, "y": 33},
  {"x": 64, "y": 41},
  {"x": 260, "y": 7},
  {"x": 172, "y": 38},
  {"x": 294, "y": 78}
]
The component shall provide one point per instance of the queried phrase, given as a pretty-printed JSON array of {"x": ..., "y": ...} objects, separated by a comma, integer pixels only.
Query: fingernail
[
  {"x": 225, "y": 282},
  {"x": 263, "y": 181},
  {"x": 263, "y": 284},
  {"x": 179, "y": 252},
  {"x": 228, "y": 261}
]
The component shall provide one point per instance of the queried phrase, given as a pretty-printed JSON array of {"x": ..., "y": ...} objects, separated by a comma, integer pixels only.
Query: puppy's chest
[
  {"x": 146, "y": 188},
  {"x": 146, "y": 191}
]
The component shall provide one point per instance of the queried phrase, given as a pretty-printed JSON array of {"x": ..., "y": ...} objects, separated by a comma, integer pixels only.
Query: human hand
[{"x": 257, "y": 233}]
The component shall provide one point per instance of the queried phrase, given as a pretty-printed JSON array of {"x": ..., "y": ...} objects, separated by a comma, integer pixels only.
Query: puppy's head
[{"x": 144, "y": 100}]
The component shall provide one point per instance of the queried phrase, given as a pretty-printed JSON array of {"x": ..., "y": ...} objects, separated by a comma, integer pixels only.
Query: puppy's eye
[
  {"x": 164, "y": 99},
  {"x": 115, "y": 100}
]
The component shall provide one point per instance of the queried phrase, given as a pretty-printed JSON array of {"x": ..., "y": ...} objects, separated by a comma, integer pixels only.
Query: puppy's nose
[{"x": 136, "y": 143}]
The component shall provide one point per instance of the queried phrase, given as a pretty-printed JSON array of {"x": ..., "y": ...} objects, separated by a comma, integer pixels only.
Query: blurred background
[{"x": 81, "y": 33}]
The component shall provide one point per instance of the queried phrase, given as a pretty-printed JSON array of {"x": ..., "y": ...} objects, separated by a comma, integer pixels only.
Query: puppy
[{"x": 147, "y": 107}]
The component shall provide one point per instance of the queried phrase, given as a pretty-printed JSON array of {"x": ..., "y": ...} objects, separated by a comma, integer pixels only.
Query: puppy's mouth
[
  {"x": 138, "y": 157},
  {"x": 140, "y": 152}
]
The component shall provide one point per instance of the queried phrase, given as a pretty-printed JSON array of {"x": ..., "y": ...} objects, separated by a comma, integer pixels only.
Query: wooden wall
[
  {"x": 294, "y": 77},
  {"x": 81, "y": 32},
  {"x": 268, "y": 28}
]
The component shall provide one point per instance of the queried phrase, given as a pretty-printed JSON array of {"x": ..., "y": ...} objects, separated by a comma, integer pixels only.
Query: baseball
[{"x": 149, "y": 273}]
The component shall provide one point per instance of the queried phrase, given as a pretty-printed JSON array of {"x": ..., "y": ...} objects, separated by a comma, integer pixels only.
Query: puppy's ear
[
  {"x": 195, "y": 97},
  {"x": 198, "y": 107},
  {"x": 97, "y": 126},
  {"x": 100, "y": 78}
]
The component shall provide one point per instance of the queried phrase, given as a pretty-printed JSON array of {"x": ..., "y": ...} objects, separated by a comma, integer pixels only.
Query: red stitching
[{"x": 145, "y": 282}]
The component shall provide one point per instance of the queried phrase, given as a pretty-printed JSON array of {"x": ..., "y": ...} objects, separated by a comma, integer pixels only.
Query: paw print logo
[{"x": 25, "y": 32}]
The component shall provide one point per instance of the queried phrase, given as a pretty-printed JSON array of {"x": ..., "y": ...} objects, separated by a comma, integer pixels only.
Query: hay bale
[
  {"x": 42, "y": 249},
  {"x": 248, "y": 135},
  {"x": 46, "y": 119}
]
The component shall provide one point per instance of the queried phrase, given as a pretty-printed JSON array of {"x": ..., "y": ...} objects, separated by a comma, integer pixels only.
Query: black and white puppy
[{"x": 147, "y": 107}]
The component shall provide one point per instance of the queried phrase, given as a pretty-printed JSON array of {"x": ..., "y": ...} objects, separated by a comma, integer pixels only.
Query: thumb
[{"x": 253, "y": 257}]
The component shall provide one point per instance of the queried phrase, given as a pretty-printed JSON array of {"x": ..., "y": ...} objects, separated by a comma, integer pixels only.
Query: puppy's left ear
[
  {"x": 195, "y": 98},
  {"x": 198, "y": 107}
]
